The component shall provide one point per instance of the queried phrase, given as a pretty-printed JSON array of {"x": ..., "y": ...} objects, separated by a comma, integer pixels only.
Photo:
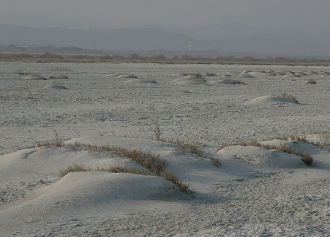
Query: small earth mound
[
  {"x": 143, "y": 81},
  {"x": 245, "y": 75},
  {"x": 190, "y": 81},
  {"x": 56, "y": 86},
  {"x": 311, "y": 81},
  {"x": 126, "y": 76},
  {"x": 271, "y": 100},
  {"x": 59, "y": 77},
  {"x": 209, "y": 74},
  {"x": 188, "y": 75},
  {"x": 35, "y": 77},
  {"x": 324, "y": 73},
  {"x": 227, "y": 82},
  {"x": 225, "y": 76}
]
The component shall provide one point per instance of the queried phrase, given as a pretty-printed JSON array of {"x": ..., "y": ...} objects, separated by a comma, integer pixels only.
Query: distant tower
[{"x": 190, "y": 46}]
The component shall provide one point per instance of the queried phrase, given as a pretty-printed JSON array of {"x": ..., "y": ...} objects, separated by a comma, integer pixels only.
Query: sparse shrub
[
  {"x": 23, "y": 73},
  {"x": 286, "y": 95},
  {"x": 158, "y": 133},
  {"x": 183, "y": 187},
  {"x": 151, "y": 162},
  {"x": 58, "y": 140},
  {"x": 325, "y": 138},
  {"x": 306, "y": 158},
  {"x": 185, "y": 147},
  {"x": 215, "y": 161},
  {"x": 299, "y": 138},
  {"x": 311, "y": 81},
  {"x": 73, "y": 168},
  {"x": 118, "y": 169}
]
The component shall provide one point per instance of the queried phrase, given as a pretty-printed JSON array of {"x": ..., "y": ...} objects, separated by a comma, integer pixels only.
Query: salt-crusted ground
[{"x": 256, "y": 191}]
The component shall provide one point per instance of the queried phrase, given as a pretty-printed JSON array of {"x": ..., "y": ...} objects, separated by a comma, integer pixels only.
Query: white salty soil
[{"x": 255, "y": 192}]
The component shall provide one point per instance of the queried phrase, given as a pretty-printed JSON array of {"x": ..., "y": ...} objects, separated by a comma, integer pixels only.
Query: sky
[{"x": 306, "y": 15}]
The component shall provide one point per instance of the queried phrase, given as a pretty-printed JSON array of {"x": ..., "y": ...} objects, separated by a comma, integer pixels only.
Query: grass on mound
[
  {"x": 215, "y": 161},
  {"x": 306, "y": 158},
  {"x": 153, "y": 163},
  {"x": 182, "y": 146},
  {"x": 185, "y": 147},
  {"x": 287, "y": 95}
]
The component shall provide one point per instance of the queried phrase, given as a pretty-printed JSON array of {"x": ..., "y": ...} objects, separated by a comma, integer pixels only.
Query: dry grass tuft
[
  {"x": 185, "y": 147},
  {"x": 215, "y": 161},
  {"x": 73, "y": 168},
  {"x": 158, "y": 134},
  {"x": 149, "y": 161},
  {"x": 23, "y": 73},
  {"x": 306, "y": 158},
  {"x": 183, "y": 187},
  {"x": 299, "y": 138},
  {"x": 112, "y": 169},
  {"x": 118, "y": 169},
  {"x": 287, "y": 95}
]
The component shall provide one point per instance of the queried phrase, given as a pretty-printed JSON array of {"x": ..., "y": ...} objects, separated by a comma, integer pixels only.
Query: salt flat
[{"x": 256, "y": 191}]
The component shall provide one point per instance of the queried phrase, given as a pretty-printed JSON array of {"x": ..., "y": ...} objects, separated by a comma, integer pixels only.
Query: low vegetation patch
[
  {"x": 215, "y": 161},
  {"x": 151, "y": 162},
  {"x": 185, "y": 147},
  {"x": 113, "y": 169},
  {"x": 147, "y": 160},
  {"x": 306, "y": 158},
  {"x": 287, "y": 95},
  {"x": 183, "y": 187},
  {"x": 158, "y": 134},
  {"x": 182, "y": 146}
]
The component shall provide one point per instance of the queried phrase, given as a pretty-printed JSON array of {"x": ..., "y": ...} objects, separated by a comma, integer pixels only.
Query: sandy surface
[{"x": 255, "y": 191}]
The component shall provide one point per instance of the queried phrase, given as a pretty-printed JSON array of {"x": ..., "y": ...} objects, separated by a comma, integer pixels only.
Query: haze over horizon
[
  {"x": 249, "y": 27},
  {"x": 105, "y": 15}
]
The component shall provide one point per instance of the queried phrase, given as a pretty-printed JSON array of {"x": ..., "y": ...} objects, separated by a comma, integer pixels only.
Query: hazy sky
[{"x": 109, "y": 14}]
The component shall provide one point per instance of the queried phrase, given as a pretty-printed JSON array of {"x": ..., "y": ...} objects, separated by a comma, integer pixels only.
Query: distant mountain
[
  {"x": 239, "y": 30},
  {"x": 234, "y": 38},
  {"x": 122, "y": 39}
]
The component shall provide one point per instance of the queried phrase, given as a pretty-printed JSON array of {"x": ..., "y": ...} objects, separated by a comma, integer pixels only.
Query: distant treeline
[{"x": 159, "y": 58}]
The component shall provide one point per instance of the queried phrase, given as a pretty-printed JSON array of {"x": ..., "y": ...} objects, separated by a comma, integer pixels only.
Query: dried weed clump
[
  {"x": 215, "y": 161},
  {"x": 185, "y": 147},
  {"x": 306, "y": 158},
  {"x": 151, "y": 162},
  {"x": 147, "y": 160},
  {"x": 287, "y": 95},
  {"x": 182, "y": 146},
  {"x": 158, "y": 134},
  {"x": 183, "y": 187}
]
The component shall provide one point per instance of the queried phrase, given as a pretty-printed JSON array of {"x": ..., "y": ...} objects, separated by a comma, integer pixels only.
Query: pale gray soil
[{"x": 278, "y": 202}]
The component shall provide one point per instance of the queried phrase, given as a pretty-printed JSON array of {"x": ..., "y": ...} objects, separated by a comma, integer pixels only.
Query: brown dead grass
[
  {"x": 183, "y": 187},
  {"x": 151, "y": 162},
  {"x": 215, "y": 161},
  {"x": 185, "y": 147},
  {"x": 287, "y": 95},
  {"x": 113, "y": 169},
  {"x": 306, "y": 158}
]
